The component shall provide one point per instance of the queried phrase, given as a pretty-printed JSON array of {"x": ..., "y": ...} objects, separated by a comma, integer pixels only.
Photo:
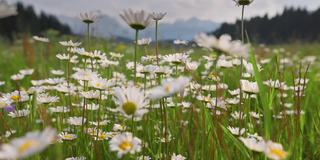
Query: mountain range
[{"x": 108, "y": 27}]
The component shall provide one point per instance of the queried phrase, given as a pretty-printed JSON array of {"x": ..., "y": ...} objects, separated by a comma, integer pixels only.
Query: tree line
[
  {"x": 27, "y": 21},
  {"x": 294, "y": 24}
]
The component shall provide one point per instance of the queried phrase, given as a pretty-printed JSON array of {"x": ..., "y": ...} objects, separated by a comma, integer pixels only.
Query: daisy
[
  {"x": 180, "y": 42},
  {"x": 57, "y": 72},
  {"x": 177, "y": 157},
  {"x": 100, "y": 83},
  {"x": 118, "y": 128},
  {"x": 158, "y": 16},
  {"x": 137, "y": 20},
  {"x": 17, "y": 77},
  {"x": 275, "y": 151},
  {"x": 59, "y": 109},
  {"x": 88, "y": 17},
  {"x": 76, "y": 158},
  {"x": 169, "y": 87},
  {"x": 90, "y": 94},
  {"x": 131, "y": 101},
  {"x": 17, "y": 96},
  {"x": 26, "y": 72},
  {"x": 249, "y": 87},
  {"x": 176, "y": 58},
  {"x": 46, "y": 99},
  {"x": 125, "y": 143},
  {"x": 70, "y": 43},
  {"x": 254, "y": 143},
  {"x": 67, "y": 136},
  {"x": 31, "y": 143},
  {"x": 116, "y": 55},
  {"x": 76, "y": 121},
  {"x": 144, "y": 41},
  {"x": 19, "y": 113},
  {"x": 41, "y": 39},
  {"x": 236, "y": 131},
  {"x": 243, "y": 2}
]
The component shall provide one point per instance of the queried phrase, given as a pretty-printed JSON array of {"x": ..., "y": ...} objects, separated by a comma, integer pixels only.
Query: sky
[{"x": 213, "y": 10}]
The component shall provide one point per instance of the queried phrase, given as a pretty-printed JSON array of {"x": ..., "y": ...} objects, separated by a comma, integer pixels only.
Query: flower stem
[
  {"x": 157, "y": 44},
  {"x": 135, "y": 57},
  {"x": 242, "y": 24}
]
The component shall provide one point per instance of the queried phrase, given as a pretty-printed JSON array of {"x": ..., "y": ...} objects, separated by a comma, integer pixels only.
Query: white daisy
[
  {"x": 125, "y": 143},
  {"x": 131, "y": 101},
  {"x": 31, "y": 143}
]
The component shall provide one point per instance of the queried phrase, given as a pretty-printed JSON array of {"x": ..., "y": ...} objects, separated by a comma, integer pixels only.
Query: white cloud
[{"x": 214, "y": 10}]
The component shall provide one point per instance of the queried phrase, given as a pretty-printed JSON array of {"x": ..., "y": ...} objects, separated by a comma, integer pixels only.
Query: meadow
[{"x": 68, "y": 97}]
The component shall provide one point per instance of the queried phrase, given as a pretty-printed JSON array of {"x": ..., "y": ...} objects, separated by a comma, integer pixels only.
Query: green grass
[{"x": 205, "y": 136}]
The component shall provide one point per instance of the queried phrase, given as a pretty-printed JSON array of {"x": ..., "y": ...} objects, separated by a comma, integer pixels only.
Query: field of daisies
[{"x": 211, "y": 98}]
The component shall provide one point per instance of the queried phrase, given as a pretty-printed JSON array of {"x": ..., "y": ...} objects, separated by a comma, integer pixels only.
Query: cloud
[{"x": 214, "y": 10}]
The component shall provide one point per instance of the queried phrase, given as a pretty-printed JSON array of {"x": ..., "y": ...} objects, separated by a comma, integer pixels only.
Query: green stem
[
  {"x": 242, "y": 24},
  {"x": 157, "y": 44},
  {"x": 88, "y": 34},
  {"x": 135, "y": 57}
]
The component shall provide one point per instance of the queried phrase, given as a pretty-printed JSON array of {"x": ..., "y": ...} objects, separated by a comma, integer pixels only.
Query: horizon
[{"x": 207, "y": 13}]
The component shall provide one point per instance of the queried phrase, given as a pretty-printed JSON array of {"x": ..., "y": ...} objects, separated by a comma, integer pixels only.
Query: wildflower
[
  {"x": 243, "y": 2},
  {"x": 144, "y": 41},
  {"x": 57, "y": 72},
  {"x": 158, "y": 16},
  {"x": 70, "y": 43},
  {"x": 41, "y": 39},
  {"x": 88, "y": 17},
  {"x": 19, "y": 113},
  {"x": 118, "y": 127},
  {"x": 99, "y": 83},
  {"x": 76, "y": 158},
  {"x": 26, "y": 72},
  {"x": 67, "y": 136},
  {"x": 46, "y": 99},
  {"x": 236, "y": 131},
  {"x": 76, "y": 121},
  {"x": 249, "y": 87},
  {"x": 125, "y": 143},
  {"x": 275, "y": 151},
  {"x": 17, "y": 96},
  {"x": 224, "y": 43},
  {"x": 90, "y": 94},
  {"x": 176, "y": 58},
  {"x": 131, "y": 101},
  {"x": 169, "y": 87},
  {"x": 31, "y": 143},
  {"x": 17, "y": 77},
  {"x": 177, "y": 157},
  {"x": 137, "y": 20},
  {"x": 253, "y": 143}
]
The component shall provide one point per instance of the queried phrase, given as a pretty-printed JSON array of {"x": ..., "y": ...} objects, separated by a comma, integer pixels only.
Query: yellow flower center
[
  {"x": 167, "y": 88},
  {"x": 68, "y": 136},
  {"x": 129, "y": 108},
  {"x": 28, "y": 144},
  {"x": 15, "y": 98},
  {"x": 125, "y": 145},
  {"x": 278, "y": 152},
  {"x": 207, "y": 99},
  {"x": 102, "y": 136}
]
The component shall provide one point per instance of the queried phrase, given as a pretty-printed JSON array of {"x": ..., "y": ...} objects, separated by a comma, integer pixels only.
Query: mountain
[
  {"x": 108, "y": 27},
  {"x": 294, "y": 24}
]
